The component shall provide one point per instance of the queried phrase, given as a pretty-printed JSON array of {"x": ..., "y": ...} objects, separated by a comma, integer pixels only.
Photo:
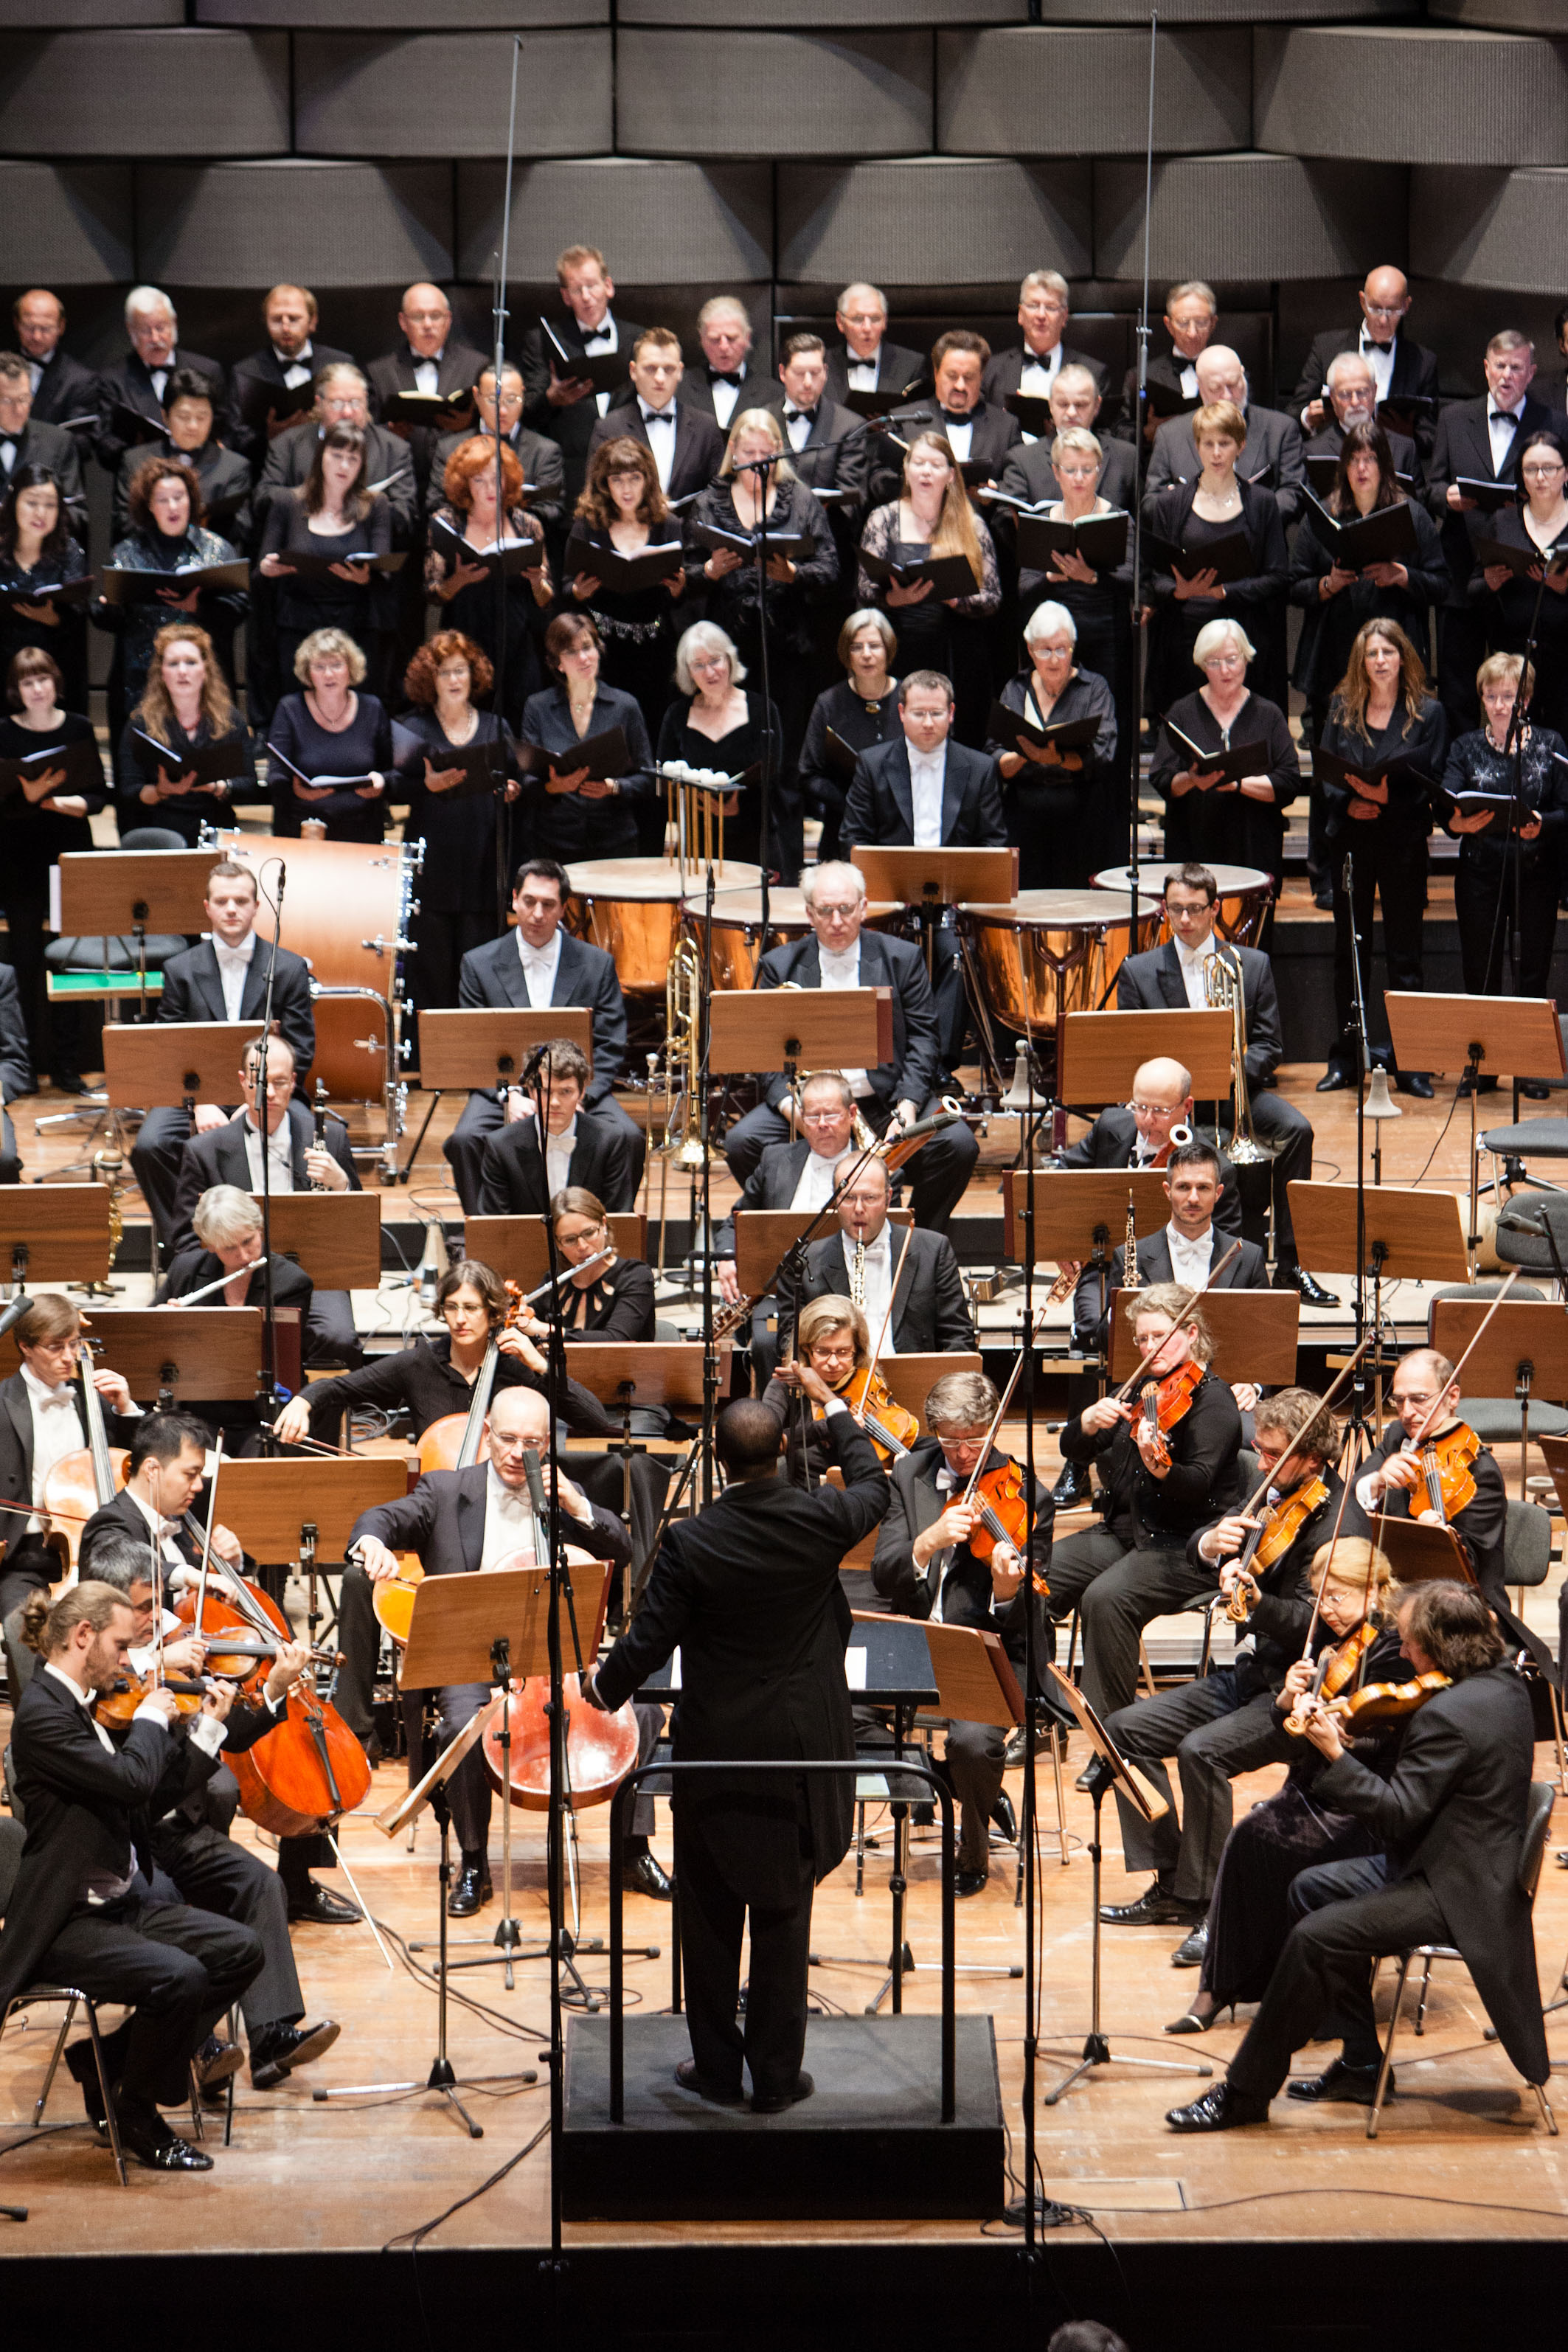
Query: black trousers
[
  {"x": 1117, "y": 1588},
  {"x": 1389, "y": 864},
  {"x": 1485, "y": 930},
  {"x": 28, "y": 1567},
  {"x": 937, "y": 1176},
  {"x": 1325, "y": 1970},
  {"x": 1213, "y": 1732},
  {"x": 713, "y": 1918},
  {"x": 180, "y": 1968},
  {"x": 975, "y": 1753},
  {"x": 205, "y": 1867},
  {"x": 1279, "y": 1123},
  {"x": 482, "y": 1116}
]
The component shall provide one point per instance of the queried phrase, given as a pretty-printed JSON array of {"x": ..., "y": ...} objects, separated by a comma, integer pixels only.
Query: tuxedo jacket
[
  {"x": 17, "y": 1076},
  {"x": 40, "y": 443},
  {"x": 1152, "y": 982},
  {"x": 962, "y": 1581},
  {"x": 457, "y": 371},
  {"x": 749, "y": 1589},
  {"x": 264, "y": 367},
  {"x": 1407, "y": 459},
  {"x": 444, "y": 1521},
  {"x": 16, "y": 1441},
  {"x": 129, "y": 385},
  {"x": 930, "y": 1315},
  {"x": 770, "y": 1185},
  {"x": 1271, "y": 455},
  {"x": 756, "y": 389},
  {"x": 1029, "y": 474},
  {"x": 540, "y": 460},
  {"x": 698, "y": 443},
  {"x": 885, "y": 963},
  {"x": 837, "y": 453},
  {"x": 88, "y": 1809},
  {"x": 897, "y": 370},
  {"x": 223, "y": 476},
  {"x": 193, "y": 990},
  {"x": 68, "y": 389},
  {"x": 572, "y": 429},
  {"x": 1464, "y": 446},
  {"x": 513, "y": 1181},
  {"x": 1414, "y": 374},
  {"x": 1247, "y": 1272},
  {"x": 585, "y": 975},
  {"x": 220, "y": 1158},
  {"x": 388, "y": 461},
  {"x": 1112, "y": 1142},
  {"x": 1164, "y": 368},
  {"x": 881, "y": 810},
  {"x": 1004, "y": 372}
]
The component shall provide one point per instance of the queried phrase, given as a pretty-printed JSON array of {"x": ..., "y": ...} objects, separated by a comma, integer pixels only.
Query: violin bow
[
  {"x": 886, "y": 1315},
  {"x": 207, "y": 1534},
  {"x": 1333, "y": 1541},
  {"x": 1185, "y": 1309},
  {"x": 1294, "y": 1447},
  {"x": 1431, "y": 1411},
  {"x": 1004, "y": 1401}
]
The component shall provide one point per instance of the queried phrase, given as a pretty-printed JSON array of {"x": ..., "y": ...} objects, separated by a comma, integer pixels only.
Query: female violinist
[
  {"x": 1249, "y": 1917},
  {"x": 832, "y": 1342},
  {"x": 936, "y": 1560}
]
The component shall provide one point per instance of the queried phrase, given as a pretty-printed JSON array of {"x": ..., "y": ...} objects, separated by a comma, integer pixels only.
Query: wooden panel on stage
[
  {"x": 54, "y": 1233},
  {"x": 1103, "y": 1052},
  {"x": 762, "y": 1237},
  {"x": 334, "y": 1236},
  {"x": 1070, "y": 1202},
  {"x": 1254, "y": 1334},
  {"x": 517, "y": 1249},
  {"x": 1421, "y": 1234},
  {"x": 480, "y": 1045}
]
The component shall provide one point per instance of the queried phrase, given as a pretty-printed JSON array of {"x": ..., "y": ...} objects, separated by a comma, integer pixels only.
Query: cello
[{"x": 81, "y": 1483}]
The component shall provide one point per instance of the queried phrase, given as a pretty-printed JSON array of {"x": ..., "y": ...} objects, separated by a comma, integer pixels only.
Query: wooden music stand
[
  {"x": 483, "y": 1046},
  {"x": 975, "y": 1677},
  {"x": 334, "y": 1236},
  {"x": 794, "y": 1029},
  {"x": 1512, "y": 1036},
  {"x": 910, "y": 1379},
  {"x": 1420, "y": 1552},
  {"x": 518, "y": 1250},
  {"x": 763, "y": 1237},
  {"x": 150, "y": 1063},
  {"x": 1074, "y": 1205},
  {"x": 1254, "y": 1334},
  {"x": 1410, "y": 1236},
  {"x": 625, "y": 1375},
  {"x": 1524, "y": 1355},
  {"x": 54, "y": 1233},
  {"x": 1101, "y": 1053},
  {"x": 185, "y": 1354},
  {"x": 937, "y": 877},
  {"x": 119, "y": 893},
  {"x": 450, "y": 1638},
  {"x": 1554, "y": 1453}
]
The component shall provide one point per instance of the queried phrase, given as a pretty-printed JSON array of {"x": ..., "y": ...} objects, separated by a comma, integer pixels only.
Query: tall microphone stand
[
  {"x": 503, "y": 610},
  {"x": 1358, "y": 1421},
  {"x": 705, "y": 1042},
  {"x": 555, "y": 1818},
  {"x": 1138, "y": 649},
  {"x": 1514, "y": 750},
  {"x": 263, "y": 1120}
]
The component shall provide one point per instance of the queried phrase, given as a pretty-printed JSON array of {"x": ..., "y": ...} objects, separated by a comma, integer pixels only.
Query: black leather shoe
[
  {"x": 319, "y": 1904},
  {"x": 1193, "y": 1949},
  {"x": 1356, "y": 2086},
  {"x": 1311, "y": 1290},
  {"x": 277, "y": 2050},
  {"x": 1073, "y": 1487},
  {"x": 1154, "y": 1909},
  {"x": 1324, "y": 899},
  {"x": 472, "y": 1891},
  {"x": 723, "y": 2095},
  {"x": 1532, "y": 1092},
  {"x": 1413, "y": 1082},
  {"x": 643, "y": 1876},
  {"x": 968, "y": 1881},
  {"x": 214, "y": 2061},
  {"x": 774, "y": 2103},
  {"x": 1335, "y": 1079},
  {"x": 1004, "y": 1817},
  {"x": 1219, "y": 2109},
  {"x": 82, "y": 2069},
  {"x": 144, "y": 2135}
]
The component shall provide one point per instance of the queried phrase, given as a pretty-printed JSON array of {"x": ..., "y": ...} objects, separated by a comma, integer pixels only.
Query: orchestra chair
[
  {"x": 1537, "y": 1823},
  {"x": 1499, "y": 1420},
  {"x": 12, "y": 1838}
]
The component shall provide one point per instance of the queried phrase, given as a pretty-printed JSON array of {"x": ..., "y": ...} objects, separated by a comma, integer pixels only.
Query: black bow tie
[
  {"x": 949, "y": 417},
  {"x": 809, "y": 414},
  {"x": 1502, "y": 416},
  {"x": 1383, "y": 348},
  {"x": 735, "y": 376},
  {"x": 8, "y": 440}
]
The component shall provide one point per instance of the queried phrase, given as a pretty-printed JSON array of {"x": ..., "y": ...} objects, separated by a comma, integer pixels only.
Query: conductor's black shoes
[
  {"x": 472, "y": 1891},
  {"x": 774, "y": 2103},
  {"x": 721, "y": 2095},
  {"x": 643, "y": 1876},
  {"x": 1219, "y": 2109}
]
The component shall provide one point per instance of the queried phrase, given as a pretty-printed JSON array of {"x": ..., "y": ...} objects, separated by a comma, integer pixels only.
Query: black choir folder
[
  {"x": 604, "y": 756},
  {"x": 1245, "y": 759},
  {"x": 1387, "y": 535},
  {"x": 1066, "y": 734},
  {"x": 445, "y": 411},
  {"x": 49, "y": 592},
  {"x": 511, "y": 556},
  {"x": 950, "y": 575},
  {"x": 1100, "y": 540},
  {"x": 81, "y": 762},
  {"x": 1228, "y": 559},
  {"x": 623, "y": 575},
  {"x": 606, "y": 371}
]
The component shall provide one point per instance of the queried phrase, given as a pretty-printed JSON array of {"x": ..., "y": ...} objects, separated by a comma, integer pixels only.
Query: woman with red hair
[
  {"x": 449, "y": 678},
  {"x": 465, "y": 545}
]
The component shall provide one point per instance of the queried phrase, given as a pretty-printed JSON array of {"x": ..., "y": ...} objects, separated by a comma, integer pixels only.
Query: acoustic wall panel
[
  {"x": 68, "y": 224},
  {"x": 448, "y": 94},
  {"x": 1219, "y": 12},
  {"x": 1421, "y": 94},
  {"x": 403, "y": 15},
  {"x": 325, "y": 225},
  {"x": 1045, "y": 90},
  {"x": 1507, "y": 230},
  {"x": 143, "y": 93},
  {"x": 54, "y": 16},
  {"x": 772, "y": 94},
  {"x": 843, "y": 15},
  {"x": 656, "y": 223},
  {"x": 933, "y": 221},
  {"x": 1248, "y": 217},
  {"x": 1502, "y": 16}
]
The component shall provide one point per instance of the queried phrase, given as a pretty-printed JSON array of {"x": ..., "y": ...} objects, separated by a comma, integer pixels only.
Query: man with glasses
[
  {"x": 1403, "y": 371},
  {"x": 839, "y": 952},
  {"x": 540, "y": 459},
  {"x": 1271, "y": 453},
  {"x": 1033, "y": 367},
  {"x": 1427, "y": 1398},
  {"x": 866, "y": 361},
  {"x": 1351, "y": 398},
  {"x": 1192, "y": 309}
]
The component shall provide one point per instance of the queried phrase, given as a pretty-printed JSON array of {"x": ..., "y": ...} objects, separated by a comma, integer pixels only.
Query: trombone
[{"x": 1224, "y": 992}]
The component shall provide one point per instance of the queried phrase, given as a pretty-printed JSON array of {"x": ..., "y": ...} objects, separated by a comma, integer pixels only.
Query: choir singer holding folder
[
  {"x": 577, "y": 801},
  {"x": 1062, "y": 817}
]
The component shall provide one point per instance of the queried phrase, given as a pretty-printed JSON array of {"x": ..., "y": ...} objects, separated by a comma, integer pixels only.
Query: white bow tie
[{"x": 63, "y": 1395}]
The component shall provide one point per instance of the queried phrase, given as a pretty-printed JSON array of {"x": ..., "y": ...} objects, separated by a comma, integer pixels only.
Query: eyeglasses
[
  {"x": 824, "y": 1118},
  {"x": 1154, "y": 1110},
  {"x": 837, "y": 914},
  {"x": 1544, "y": 472}
]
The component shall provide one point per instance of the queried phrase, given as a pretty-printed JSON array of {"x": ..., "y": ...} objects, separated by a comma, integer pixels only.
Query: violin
[
  {"x": 1166, "y": 1402},
  {"x": 456, "y": 1440},
  {"x": 1270, "y": 1540},
  {"x": 1334, "y": 1670},
  {"x": 1445, "y": 1469},
  {"x": 1004, "y": 1512},
  {"x": 118, "y": 1703},
  {"x": 890, "y": 1429},
  {"x": 1388, "y": 1702}
]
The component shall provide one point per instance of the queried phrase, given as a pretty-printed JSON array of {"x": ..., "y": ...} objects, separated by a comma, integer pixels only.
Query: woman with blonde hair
[
  {"x": 931, "y": 518},
  {"x": 186, "y": 706},
  {"x": 715, "y": 723},
  {"x": 330, "y": 729}
]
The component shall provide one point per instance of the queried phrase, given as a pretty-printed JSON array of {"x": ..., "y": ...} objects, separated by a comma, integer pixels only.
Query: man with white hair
[
  {"x": 1192, "y": 309},
  {"x": 866, "y": 361},
  {"x": 1271, "y": 453},
  {"x": 1032, "y": 367},
  {"x": 726, "y": 381},
  {"x": 1400, "y": 368},
  {"x": 1352, "y": 399},
  {"x": 132, "y": 388},
  {"x": 343, "y": 397},
  {"x": 839, "y": 952}
]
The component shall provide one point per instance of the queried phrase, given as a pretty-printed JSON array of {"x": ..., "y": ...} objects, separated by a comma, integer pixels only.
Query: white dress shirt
[
  {"x": 279, "y": 1155},
  {"x": 234, "y": 971},
  {"x": 1189, "y": 380},
  {"x": 816, "y": 1183},
  {"x": 1380, "y": 360},
  {"x": 161, "y": 1531},
  {"x": 1501, "y": 425},
  {"x": 428, "y": 372},
  {"x": 1189, "y": 1260},
  {"x": 539, "y": 966},
  {"x": 726, "y": 400},
  {"x": 1191, "y": 963},
  {"x": 844, "y": 971},
  {"x": 960, "y": 437},
  {"x": 558, "y": 1151},
  {"x": 878, "y": 1283},
  {"x": 159, "y": 377},
  {"x": 598, "y": 340},
  {"x": 508, "y": 1521},
  {"x": 297, "y": 370},
  {"x": 928, "y": 776},
  {"x": 1037, "y": 376},
  {"x": 797, "y": 425},
  {"x": 56, "y": 1427},
  {"x": 36, "y": 373},
  {"x": 659, "y": 425},
  {"x": 861, "y": 374},
  {"x": 8, "y": 457}
]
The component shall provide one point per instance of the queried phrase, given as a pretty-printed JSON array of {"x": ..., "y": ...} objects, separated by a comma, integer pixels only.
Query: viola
[
  {"x": 1167, "y": 1402},
  {"x": 1445, "y": 1469},
  {"x": 1334, "y": 1671},
  {"x": 1271, "y": 1538},
  {"x": 1388, "y": 1702},
  {"x": 117, "y": 1704},
  {"x": 457, "y": 1439}
]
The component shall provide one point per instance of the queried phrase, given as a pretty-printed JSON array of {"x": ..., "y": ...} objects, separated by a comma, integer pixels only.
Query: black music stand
[{"x": 1109, "y": 1770}]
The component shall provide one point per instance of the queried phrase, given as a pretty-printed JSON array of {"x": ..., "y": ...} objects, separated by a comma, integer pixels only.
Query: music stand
[
  {"x": 1554, "y": 1453},
  {"x": 931, "y": 880},
  {"x": 764, "y": 1238},
  {"x": 183, "y": 1355},
  {"x": 1524, "y": 1355},
  {"x": 799, "y": 1029},
  {"x": 1410, "y": 1237},
  {"x": 628, "y": 1375},
  {"x": 127, "y": 893},
  {"x": 146, "y": 1064},
  {"x": 334, "y": 1236},
  {"x": 1420, "y": 1551},
  {"x": 1516, "y": 1036},
  {"x": 1101, "y": 1053},
  {"x": 1076, "y": 1208},
  {"x": 910, "y": 1379},
  {"x": 1109, "y": 1770},
  {"x": 55, "y": 1232},
  {"x": 300, "y": 1510},
  {"x": 518, "y": 1250},
  {"x": 481, "y": 1047},
  {"x": 1254, "y": 1334}
]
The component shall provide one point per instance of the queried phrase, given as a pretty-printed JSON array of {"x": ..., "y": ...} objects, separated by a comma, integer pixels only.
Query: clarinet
[{"x": 319, "y": 1122}]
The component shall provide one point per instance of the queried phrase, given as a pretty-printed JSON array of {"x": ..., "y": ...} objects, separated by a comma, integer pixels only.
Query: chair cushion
[
  {"x": 1496, "y": 1420},
  {"x": 87, "y": 954},
  {"x": 1539, "y": 1139}
]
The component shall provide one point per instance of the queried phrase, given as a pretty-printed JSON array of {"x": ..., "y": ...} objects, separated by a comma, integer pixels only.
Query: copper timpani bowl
[
  {"x": 1046, "y": 953},
  {"x": 1244, "y": 892},
  {"x": 631, "y": 907}
]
